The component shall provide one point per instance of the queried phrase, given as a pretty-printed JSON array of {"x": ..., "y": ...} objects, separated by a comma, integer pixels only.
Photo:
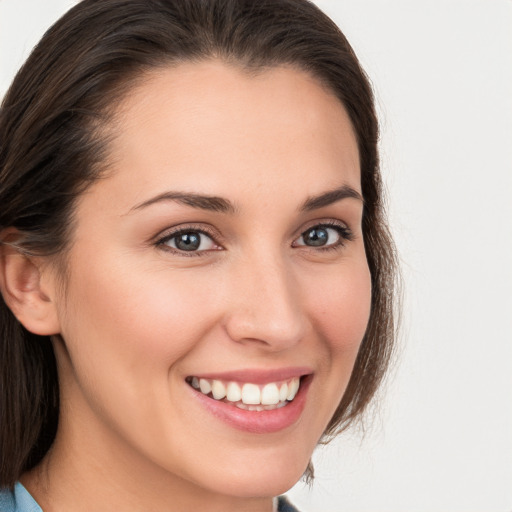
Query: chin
[
  {"x": 271, "y": 478},
  {"x": 270, "y": 482}
]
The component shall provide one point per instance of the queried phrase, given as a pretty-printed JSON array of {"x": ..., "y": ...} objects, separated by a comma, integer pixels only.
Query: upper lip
[{"x": 257, "y": 376}]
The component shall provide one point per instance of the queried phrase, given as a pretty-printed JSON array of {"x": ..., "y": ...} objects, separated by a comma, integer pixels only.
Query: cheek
[
  {"x": 341, "y": 313},
  {"x": 342, "y": 308},
  {"x": 124, "y": 331},
  {"x": 148, "y": 317}
]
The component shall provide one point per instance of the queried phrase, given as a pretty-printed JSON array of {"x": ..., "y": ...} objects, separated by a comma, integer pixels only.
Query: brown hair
[{"x": 51, "y": 149}]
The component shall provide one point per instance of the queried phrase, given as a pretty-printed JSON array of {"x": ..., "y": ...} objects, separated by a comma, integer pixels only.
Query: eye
[
  {"x": 324, "y": 236},
  {"x": 188, "y": 241}
]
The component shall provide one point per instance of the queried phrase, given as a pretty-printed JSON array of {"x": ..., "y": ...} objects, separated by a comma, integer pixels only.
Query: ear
[{"x": 23, "y": 292}]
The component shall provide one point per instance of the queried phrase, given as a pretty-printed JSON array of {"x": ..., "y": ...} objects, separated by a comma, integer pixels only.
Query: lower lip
[{"x": 258, "y": 422}]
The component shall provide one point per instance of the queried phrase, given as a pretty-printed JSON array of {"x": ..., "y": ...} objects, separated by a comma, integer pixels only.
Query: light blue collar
[
  {"x": 24, "y": 501},
  {"x": 18, "y": 501}
]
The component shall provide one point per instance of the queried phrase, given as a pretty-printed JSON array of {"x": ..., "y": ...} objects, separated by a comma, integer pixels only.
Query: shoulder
[
  {"x": 17, "y": 500},
  {"x": 283, "y": 505}
]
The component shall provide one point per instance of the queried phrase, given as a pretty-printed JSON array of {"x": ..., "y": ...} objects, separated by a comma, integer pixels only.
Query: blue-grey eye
[
  {"x": 319, "y": 236},
  {"x": 190, "y": 241}
]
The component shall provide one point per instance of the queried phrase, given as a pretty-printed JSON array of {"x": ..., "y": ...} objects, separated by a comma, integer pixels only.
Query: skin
[{"x": 137, "y": 317}]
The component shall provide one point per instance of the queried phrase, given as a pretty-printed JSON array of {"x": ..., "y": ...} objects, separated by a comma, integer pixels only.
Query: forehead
[{"x": 207, "y": 124}]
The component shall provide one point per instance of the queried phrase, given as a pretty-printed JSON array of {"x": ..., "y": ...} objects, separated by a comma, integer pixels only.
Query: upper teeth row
[{"x": 250, "y": 394}]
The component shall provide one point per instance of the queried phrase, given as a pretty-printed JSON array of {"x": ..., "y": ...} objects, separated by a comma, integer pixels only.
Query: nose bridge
[{"x": 265, "y": 305}]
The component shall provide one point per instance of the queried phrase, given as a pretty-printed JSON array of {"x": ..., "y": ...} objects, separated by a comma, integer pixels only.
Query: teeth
[
  {"x": 205, "y": 386},
  {"x": 241, "y": 405},
  {"x": 234, "y": 393},
  {"x": 249, "y": 396},
  {"x": 270, "y": 394},
  {"x": 293, "y": 388},
  {"x": 218, "y": 390},
  {"x": 283, "y": 392}
]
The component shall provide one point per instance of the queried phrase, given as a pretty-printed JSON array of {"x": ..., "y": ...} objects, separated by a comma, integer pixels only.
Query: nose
[{"x": 265, "y": 306}]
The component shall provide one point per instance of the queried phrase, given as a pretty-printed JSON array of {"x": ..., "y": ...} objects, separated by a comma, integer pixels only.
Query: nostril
[{"x": 265, "y": 332}]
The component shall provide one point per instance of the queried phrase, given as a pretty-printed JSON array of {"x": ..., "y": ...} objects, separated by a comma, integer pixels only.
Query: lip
[
  {"x": 258, "y": 376},
  {"x": 256, "y": 422}
]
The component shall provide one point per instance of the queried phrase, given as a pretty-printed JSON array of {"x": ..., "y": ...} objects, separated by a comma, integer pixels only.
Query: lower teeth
[{"x": 258, "y": 408}]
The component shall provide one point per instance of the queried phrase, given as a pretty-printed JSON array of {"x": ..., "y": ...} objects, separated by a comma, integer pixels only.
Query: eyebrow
[
  {"x": 203, "y": 202},
  {"x": 330, "y": 197},
  {"x": 221, "y": 205}
]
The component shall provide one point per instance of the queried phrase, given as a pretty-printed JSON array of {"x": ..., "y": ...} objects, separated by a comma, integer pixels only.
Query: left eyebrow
[
  {"x": 330, "y": 197},
  {"x": 200, "y": 201}
]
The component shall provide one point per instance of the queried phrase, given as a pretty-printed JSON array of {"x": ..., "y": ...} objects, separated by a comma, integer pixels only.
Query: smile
[{"x": 248, "y": 396}]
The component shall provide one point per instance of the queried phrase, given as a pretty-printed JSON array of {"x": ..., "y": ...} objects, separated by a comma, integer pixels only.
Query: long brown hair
[{"x": 52, "y": 147}]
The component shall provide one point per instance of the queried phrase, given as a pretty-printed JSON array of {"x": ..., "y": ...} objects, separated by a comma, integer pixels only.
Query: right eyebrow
[
  {"x": 200, "y": 201},
  {"x": 330, "y": 197}
]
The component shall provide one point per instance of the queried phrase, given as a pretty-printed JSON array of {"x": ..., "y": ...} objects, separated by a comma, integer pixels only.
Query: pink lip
[
  {"x": 256, "y": 422},
  {"x": 255, "y": 376}
]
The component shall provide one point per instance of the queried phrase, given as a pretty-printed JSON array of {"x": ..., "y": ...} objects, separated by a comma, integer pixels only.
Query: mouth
[
  {"x": 255, "y": 402},
  {"x": 248, "y": 395}
]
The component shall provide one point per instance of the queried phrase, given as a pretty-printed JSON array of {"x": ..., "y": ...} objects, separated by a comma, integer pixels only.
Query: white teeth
[
  {"x": 252, "y": 397},
  {"x": 251, "y": 394},
  {"x": 218, "y": 390},
  {"x": 205, "y": 386},
  {"x": 270, "y": 394},
  {"x": 293, "y": 388},
  {"x": 241, "y": 405},
  {"x": 283, "y": 392},
  {"x": 233, "y": 393}
]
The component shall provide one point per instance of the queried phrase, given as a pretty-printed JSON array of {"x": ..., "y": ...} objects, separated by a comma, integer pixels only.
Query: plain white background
[{"x": 442, "y": 438}]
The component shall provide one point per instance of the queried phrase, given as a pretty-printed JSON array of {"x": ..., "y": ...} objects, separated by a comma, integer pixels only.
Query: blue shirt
[
  {"x": 18, "y": 501},
  {"x": 21, "y": 501}
]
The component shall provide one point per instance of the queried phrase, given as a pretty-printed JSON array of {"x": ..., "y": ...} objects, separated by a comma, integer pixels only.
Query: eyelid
[
  {"x": 168, "y": 234},
  {"x": 160, "y": 240},
  {"x": 345, "y": 233},
  {"x": 328, "y": 223}
]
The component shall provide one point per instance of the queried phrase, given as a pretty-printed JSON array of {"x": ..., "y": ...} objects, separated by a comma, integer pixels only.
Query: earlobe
[{"x": 20, "y": 284}]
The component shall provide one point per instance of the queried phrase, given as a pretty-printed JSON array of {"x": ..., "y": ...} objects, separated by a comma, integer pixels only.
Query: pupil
[
  {"x": 316, "y": 237},
  {"x": 188, "y": 241}
]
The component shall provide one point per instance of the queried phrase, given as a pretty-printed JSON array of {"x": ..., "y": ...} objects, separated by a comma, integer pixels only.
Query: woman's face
[{"x": 222, "y": 253}]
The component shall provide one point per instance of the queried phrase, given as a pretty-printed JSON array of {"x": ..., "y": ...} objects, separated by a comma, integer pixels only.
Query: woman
[{"x": 196, "y": 271}]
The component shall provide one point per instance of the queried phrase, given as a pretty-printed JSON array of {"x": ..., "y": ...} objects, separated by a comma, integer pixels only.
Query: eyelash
[
  {"x": 344, "y": 232},
  {"x": 345, "y": 235},
  {"x": 161, "y": 241}
]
